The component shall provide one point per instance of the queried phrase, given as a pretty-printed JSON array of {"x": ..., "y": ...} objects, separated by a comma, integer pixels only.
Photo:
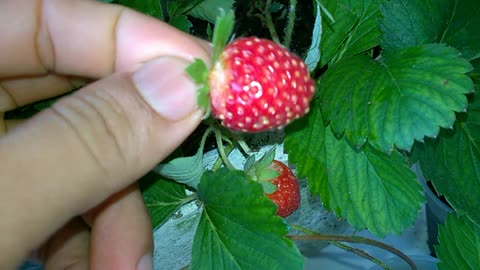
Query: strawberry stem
[
  {"x": 361, "y": 253},
  {"x": 219, "y": 160},
  {"x": 290, "y": 23},
  {"x": 221, "y": 150},
  {"x": 243, "y": 145},
  {"x": 269, "y": 21},
  {"x": 311, "y": 235}
]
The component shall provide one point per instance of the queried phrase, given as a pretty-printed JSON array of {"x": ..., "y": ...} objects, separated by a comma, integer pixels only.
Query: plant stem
[
  {"x": 219, "y": 160},
  {"x": 243, "y": 145},
  {"x": 360, "y": 253},
  {"x": 350, "y": 249},
  {"x": 290, "y": 23},
  {"x": 351, "y": 239},
  {"x": 205, "y": 136},
  {"x": 221, "y": 150},
  {"x": 269, "y": 21}
]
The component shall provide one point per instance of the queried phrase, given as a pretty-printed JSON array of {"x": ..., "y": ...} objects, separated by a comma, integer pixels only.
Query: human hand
[{"x": 90, "y": 145}]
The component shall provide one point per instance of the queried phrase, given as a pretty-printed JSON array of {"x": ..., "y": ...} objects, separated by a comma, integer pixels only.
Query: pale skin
[{"x": 67, "y": 176}]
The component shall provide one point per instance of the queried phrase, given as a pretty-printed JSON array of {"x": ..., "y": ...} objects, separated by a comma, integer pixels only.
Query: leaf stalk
[
  {"x": 311, "y": 235},
  {"x": 292, "y": 8}
]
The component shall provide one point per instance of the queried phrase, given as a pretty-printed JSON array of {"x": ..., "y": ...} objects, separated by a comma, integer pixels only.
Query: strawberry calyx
[
  {"x": 261, "y": 171},
  {"x": 199, "y": 70}
]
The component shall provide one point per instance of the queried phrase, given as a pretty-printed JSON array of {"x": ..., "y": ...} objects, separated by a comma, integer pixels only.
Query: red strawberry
[
  {"x": 287, "y": 195},
  {"x": 258, "y": 85}
]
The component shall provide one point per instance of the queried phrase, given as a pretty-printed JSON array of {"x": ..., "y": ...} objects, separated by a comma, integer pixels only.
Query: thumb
[{"x": 89, "y": 145}]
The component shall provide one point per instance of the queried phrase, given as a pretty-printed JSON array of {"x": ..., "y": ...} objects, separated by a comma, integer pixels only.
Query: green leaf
[
  {"x": 459, "y": 246},
  {"x": 222, "y": 32},
  {"x": 313, "y": 54},
  {"x": 181, "y": 7},
  {"x": 451, "y": 162},
  {"x": 409, "y": 23},
  {"x": 185, "y": 170},
  {"x": 475, "y": 74},
  {"x": 209, "y": 10},
  {"x": 355, "y": 29},
  {"x": 238, "y": 228},
  {"x": 181, "y": 22},
  {"x": 150, "y": 7},
  {"x": 275, "y": 7},
  {"x": 162, "y": 197},
  {"x": 369, "y": 188},
  {"x": 404, "y": 96}
]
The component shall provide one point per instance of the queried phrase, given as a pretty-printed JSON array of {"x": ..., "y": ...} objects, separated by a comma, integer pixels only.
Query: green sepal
[
  {"x": 260, "y": 170},
  {"x": 267, "y": 174},
  {"x": 198, "y": 71},
  {"x": 249, "y": 163},
  {"x": 222, "y": 32},
  {"x": 268, "y": 187},
  {"x": 203, "y": 100},
  {"x": 266, "y": 159}
]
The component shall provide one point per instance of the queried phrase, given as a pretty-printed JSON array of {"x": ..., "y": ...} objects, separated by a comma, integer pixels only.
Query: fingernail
[
  {"x": 145, "y": 263},
  {"x": 167, "y": 88}
]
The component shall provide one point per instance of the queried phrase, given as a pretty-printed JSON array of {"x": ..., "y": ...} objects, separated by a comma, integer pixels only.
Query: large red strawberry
[
  {"x": 287, "y": 195},
  {"x": 258, "y": 85}
]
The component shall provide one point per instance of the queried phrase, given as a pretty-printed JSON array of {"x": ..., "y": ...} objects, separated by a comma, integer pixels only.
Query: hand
[{"x": 59, "y": 170}]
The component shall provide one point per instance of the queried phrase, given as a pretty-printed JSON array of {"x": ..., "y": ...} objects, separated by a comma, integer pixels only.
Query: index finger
[{"x": 84, "y": 38}]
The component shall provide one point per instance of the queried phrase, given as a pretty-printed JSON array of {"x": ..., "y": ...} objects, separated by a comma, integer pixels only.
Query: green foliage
[
  {"x": 409, "y": 23},
  {"x": 162, "y": 197},
  {"x": 404, "y": 95},
  {"x": 209, "y": 10},
  {"x": 150, "y": 7},
  {"x": 180, "y": 7},
  {"x": 181, "y": 22},
  {"x": 185, "y": 170},
  {"x": 222, "y": 32},
  {"x": 452, "y": 162},
  {"x": 369, "y": 188},
  {"x": 354, "y": 30},
  {"x": 459, "y": 246},
  {"x": 238, "y": 227},
  {"x": 177, "y": 13},
  {"x": 313, "y": 54},
  {"x": 390, "y": 73}
]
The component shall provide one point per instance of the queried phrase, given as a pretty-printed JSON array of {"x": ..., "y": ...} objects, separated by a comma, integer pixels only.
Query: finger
[
  {"x": 84, "y": 39},
  {"x": 3, "y": 124},
  {"x": 26, "y": 90},
  {"x": 10, "y": 124},
  {"x": 122, "y": 234},
  {"x": 68, "y": 248},
  {"x": 89, "y": 145}
]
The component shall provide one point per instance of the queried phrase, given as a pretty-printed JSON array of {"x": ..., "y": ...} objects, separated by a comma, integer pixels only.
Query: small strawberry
[
  {"x": 287, "y": 195},
  {"x": 279, "y": 182},
  {"x": 258, "y": 85}
]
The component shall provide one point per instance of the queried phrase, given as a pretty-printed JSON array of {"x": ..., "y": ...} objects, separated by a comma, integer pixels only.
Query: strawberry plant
[
  {"x": 361, "y": 91},
  {"x": 394, "y": 85}
]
